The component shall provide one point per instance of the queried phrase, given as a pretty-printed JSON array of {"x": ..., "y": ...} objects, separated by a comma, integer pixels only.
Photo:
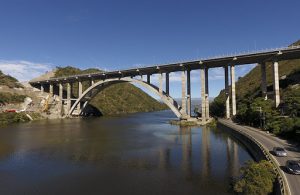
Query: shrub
[{"x": 256, "y": 178}]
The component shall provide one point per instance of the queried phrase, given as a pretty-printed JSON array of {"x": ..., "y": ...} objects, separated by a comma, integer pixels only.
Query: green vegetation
[
  {"x": 256, "y": 178},
  {"x": 255, "y": 111},
  {"x": 6, "y": 97},
  {"x": 13, "y": 117},
  {"x": 9, "y": 81},
  {"x": 116, "y": 99}
]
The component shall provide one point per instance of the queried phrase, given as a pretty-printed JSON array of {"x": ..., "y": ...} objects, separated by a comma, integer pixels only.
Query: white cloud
[{"x": 24, "y": 70}]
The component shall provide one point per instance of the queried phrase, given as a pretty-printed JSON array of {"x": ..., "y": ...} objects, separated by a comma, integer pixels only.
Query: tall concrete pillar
[
  {"x": 167, "y": 83},
  {"x": 141, "y": 77},
  {"x": 227, "y": 92},
  {"x": 276, "y": 84},
  {"x": 42, "y": 89},
  {"x": 233, "y": 96},
  {"x": 68, "y": 97},
  {"x": 148, "y": 78},
  {"x": 60, "y": 91},
  {"x": 92, "y": 81},
  {"x": 189, "y": 103},
  {"x": 51, "y": 89},
  {"x": 203, "y": 99},
  {"x": 263, "y": 80},
  {"x": 206, "y": 94},
  {"x": 160, "y": 78},
  {"x": 79, "y": 95},
  {"x": 183, "y": 93}
]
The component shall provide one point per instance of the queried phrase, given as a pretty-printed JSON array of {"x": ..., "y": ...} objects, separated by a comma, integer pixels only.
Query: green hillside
[
  {"x": 116, "y": 99},
  {"x": 283, "y": 120},
  {"x": 9, "y": 81}
]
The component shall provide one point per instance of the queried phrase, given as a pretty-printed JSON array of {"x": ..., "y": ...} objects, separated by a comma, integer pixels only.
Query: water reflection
[{"x": 139, "y": 152}]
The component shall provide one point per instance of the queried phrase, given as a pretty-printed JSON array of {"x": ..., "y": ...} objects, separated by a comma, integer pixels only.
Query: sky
[{"x": 38, "y": 35}]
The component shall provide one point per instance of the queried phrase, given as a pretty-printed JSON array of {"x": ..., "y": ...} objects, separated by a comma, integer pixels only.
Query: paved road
[{"x": 270, "y": 141}]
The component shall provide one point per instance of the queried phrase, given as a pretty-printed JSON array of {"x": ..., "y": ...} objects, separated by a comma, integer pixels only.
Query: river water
[{"x": 133, "y": 154}]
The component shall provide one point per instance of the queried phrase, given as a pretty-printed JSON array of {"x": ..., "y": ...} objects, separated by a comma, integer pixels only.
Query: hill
[
  {"x": 7, "y": 95},
  {"x": 116, "y": 99},
  {"x": 9, "y": 81},
  {"x": 284, "y": 120}
]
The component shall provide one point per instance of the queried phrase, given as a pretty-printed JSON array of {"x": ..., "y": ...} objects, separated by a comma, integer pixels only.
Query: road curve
[{"x": 269, "y": 141}]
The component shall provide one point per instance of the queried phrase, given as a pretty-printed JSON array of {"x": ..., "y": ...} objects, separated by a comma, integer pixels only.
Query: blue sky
[{"x": 37, "y": 35}]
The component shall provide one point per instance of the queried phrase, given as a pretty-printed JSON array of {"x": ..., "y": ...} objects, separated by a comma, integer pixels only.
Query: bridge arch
[{"x": 168, "y": 100}]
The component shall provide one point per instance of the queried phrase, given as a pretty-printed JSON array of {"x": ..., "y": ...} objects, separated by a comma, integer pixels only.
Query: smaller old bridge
[{"x": 75, "y": 105}]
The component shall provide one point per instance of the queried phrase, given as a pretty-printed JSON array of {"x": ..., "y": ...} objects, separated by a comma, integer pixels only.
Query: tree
[{"x": 256, "y": 178}]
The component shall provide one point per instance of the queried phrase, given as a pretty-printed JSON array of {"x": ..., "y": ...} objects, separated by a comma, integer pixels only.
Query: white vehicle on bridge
[{"x": 278, "y": 151}]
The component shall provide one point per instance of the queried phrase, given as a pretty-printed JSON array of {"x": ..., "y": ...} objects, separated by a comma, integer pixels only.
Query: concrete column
[
  {"x": 167, "y": 84},
  {"x": 51, "y": 89},
  {"x": 148, "y": 78},
  {"x": 79, "y": 95},
  {"x": 60, "y": 91},
  {"x": 276, "y": 84},
  {"x": 203, "y": 100},
  {"x": 189, "y": 104},
  {"x": 68, "y": 97},
  {"x": 183, "y": 93},
  {"x": 92, "y": 81},
  {"x": 79, "y": 88},
  {"x": 160, "y": 78},
  {"x": 42, "y": 89},
  {"x": 206, "y": 95},
  {"x": 233, "y": 99},
  {"x": 263, "y": 81},
  {"x": 141, "y": 77},
  {"x": 227, "y": 92}
]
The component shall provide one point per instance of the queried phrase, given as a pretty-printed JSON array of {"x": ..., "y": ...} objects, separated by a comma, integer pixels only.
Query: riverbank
[{"x": 7, "y": 118}]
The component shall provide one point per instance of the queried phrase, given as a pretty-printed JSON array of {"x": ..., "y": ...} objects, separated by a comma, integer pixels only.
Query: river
[{"x": 133, "y": 154}]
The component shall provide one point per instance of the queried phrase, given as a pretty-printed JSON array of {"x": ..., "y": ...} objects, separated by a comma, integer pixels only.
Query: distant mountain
[{"x": 116, "y": 99}]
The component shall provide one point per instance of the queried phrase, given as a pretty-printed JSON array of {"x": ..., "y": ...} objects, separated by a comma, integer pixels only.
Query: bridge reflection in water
[{"x": 137, "y": 155}]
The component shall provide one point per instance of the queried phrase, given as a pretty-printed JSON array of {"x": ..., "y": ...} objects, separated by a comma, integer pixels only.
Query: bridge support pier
[
  {"x": 167, "y": 83},
  {"x": 79, "y": 95},
  {"x": 233, "y": 97},
  {"x": 42, "y": 89},
  {"x": 227, "y": 92},
  {"x": 206, "y": 95},
  {"x": 203, "y": 99},
  {"x": 189, "y": 103},
  {"x": 183, "y": 93},
  {"x": 60, "y": 91},
  {"x": 263, "y": 80},
  {"x": 148, "y": 78},
  {"x": 276, "y": 84},
  {"x": 51, "y": 89},
  {"x": 160, "y": 83},
  {"x": 68, "y": 97}
]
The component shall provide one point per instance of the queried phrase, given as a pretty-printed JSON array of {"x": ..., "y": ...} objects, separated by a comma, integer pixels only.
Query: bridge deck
[{"x": 250, "y": 58}]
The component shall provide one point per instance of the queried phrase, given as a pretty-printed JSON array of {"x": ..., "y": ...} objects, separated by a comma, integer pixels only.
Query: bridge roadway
[
  {"x": 269, "y": 141},
  {"x": 279, "y": 54}
]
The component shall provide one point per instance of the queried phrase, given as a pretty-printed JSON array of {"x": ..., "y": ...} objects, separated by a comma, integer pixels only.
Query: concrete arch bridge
[{"x": 100, "y": 80}]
